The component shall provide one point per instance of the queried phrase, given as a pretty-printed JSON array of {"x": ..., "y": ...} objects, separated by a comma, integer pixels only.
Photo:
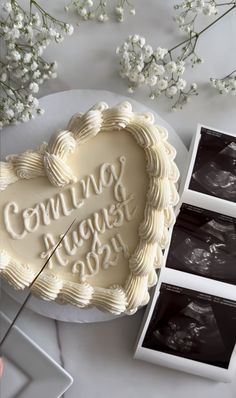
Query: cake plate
[{"x": 59, "y": 108}]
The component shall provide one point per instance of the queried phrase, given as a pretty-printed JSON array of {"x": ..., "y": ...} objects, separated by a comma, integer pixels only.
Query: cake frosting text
[{"x": 19, "y": 223}]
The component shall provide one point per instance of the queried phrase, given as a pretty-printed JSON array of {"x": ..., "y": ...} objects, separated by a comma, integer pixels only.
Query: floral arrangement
[
  {"x": 162, "y": 70},
  {"x": 97, "y": 9},
  {"x": 24, "y": 36}
]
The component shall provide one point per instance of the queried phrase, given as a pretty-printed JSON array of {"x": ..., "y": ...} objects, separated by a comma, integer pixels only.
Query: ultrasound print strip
[
  {"x": 204, "y": 243},
  {"x": 193, "y": 325},
  {"x": 214, "y": 171}
]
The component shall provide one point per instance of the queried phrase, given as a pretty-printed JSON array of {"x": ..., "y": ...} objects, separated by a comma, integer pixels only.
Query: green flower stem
[
  {"x": 44, "y": 13},
  {"x": 198, "y": 34},
  {"x": 230, "y": 74}
]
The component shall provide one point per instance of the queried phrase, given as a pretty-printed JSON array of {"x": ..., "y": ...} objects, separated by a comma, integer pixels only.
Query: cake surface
[{"x": 112, "y": 171}]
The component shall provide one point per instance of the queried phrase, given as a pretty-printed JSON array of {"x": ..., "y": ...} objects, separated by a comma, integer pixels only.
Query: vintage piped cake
[{"x": 113, "y": 171}]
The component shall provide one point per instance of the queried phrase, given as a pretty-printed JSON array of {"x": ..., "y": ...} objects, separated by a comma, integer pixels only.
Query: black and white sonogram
[
  {"x": 214, "y": 171},
  {"x": 193, "y": 325},
  {"x": 204, "y": 243}
]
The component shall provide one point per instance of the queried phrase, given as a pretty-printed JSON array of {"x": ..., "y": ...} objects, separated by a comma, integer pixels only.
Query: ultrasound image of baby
[
  {"x": 192, "y": 330},
  {"x": 193, "y": 325},
  {"x": 214, "y": 171},
  {"x": 204, "y": 243},
  {"x": 218, "y": 177}
]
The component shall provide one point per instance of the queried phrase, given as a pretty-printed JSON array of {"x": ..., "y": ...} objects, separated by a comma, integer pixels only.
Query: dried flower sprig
[
  {"x": 227, "y": 85},
  {"x": 161, "y": 69},
  {"x": 97, "y": 9},
  {"x": 155, "y": 69},
  {"x": 24, "y": 37}
]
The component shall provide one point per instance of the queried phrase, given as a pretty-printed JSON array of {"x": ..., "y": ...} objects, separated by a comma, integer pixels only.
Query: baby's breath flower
[
  {"x": 171, "y": 91},
  {"x": 3, "y": 77},
  {"x": 181, "y": 84},
  {"x": 171, "y": 67},
  {"x": 24, "y": 37},
  {"x": 143, "y": 66},
  {"x": 97, "y": 9},
  {"x": 162, "y": 84},
  {"x": 69, "y": 29},
  {"x": 227, "y": 85}
]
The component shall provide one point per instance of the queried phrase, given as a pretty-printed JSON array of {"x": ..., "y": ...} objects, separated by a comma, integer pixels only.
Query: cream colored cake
[{"x": 112, "y": 171}]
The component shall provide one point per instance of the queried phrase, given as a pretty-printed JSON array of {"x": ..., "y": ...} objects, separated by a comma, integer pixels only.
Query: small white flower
[
  {"x": 135, "y": 39},
  {"x": 171, "y": 91},
  {"x": 89, "y": 3},
  {"x": 83, "y": 12},
  {"x": 119, "y": 10},
  {"x": 101, "y": 18},
  {"x": 157, "y": 69},
  {"x": 194, "y": 86},
  {"x": 162, "y": 84},
  {"x": 171, "y": 67},
  {"x": 53, "y": 66},
  {"x": 151, "y": 81},
  {"x": 200, "y": 3},
  {"x": 160, "y": 53},
  {"x": 9, "y": 113},
  {"x": 131, "y": 90},
  {"x": 69, "y": 29},
  {"x": 19, "y": 106},
  {"x": 33, "y": 102},
  {"x": 3, "y": 77},
  {"x": 40, "y": 111},
  {"x": 36, "y": 20},
  {"x": 209, "y": 9},
  {"x": 141, "y": 78},
  {"x": 29, "y": 33},
  {"x": 27, "y": 58},
  {"x": 52, "y": 32},
  {"x": 132, "y": 11},
  {"x": 15, "y": 55},
  {"x": 181, "y": 84},
  {"x": 59, "y": 38},
  {"x": 15, "y": 33},
  {"x": 36, "y": 74},
  {"x": 180, "y": 68},
  {"x": 148, "y": 50},
  {"x": 133, "y": 76},
  {"x": 25, "y": 117},
  {"x": 141, "y": 42},
  {"x": 34, "y": 66},
  {"x": 34, "y": 87},
  {"x": 118, "y": 51},
  {"x": 39, "y": 50},
  {"x": 19, "y": 17}
]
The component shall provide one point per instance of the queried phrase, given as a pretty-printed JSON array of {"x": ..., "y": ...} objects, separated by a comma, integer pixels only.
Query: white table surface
[{"x": 99, "y": 356}]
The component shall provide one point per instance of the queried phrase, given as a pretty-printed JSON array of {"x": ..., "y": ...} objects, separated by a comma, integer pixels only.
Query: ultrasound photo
[
  {"x": 214, "y": 170},
  {"x": 204, "y": 243},
  {"x": 193, "y": 325}
]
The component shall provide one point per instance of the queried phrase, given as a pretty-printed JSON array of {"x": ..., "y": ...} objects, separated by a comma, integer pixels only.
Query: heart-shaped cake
[{"x": 113, "y": 171}]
